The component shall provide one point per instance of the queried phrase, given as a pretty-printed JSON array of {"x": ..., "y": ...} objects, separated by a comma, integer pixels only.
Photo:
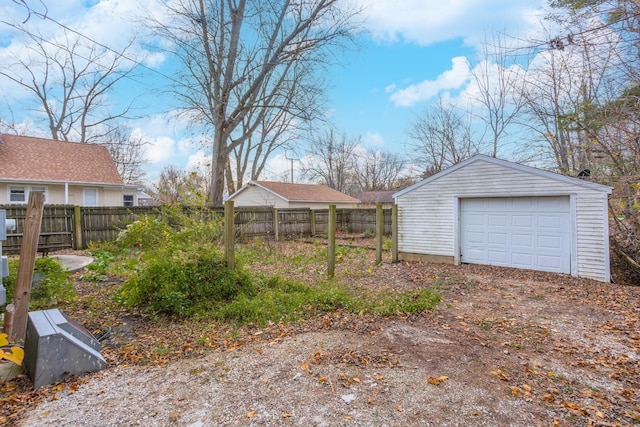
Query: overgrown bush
[
  {"x": 148, "y": 232},
  {"x": 185, "y": 280},
  {"x": 51, "y": 287}
]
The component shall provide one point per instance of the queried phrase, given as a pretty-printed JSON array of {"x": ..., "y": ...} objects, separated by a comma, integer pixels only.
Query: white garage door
[{"x": 523, "y": 232}]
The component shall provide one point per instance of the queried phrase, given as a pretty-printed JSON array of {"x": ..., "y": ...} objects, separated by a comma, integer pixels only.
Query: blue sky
[{"x": 413, "y": 52}]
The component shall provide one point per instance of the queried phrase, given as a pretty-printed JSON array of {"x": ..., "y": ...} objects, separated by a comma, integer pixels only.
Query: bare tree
[
  {"x": 442, "y": 138},
  {"x": 278, "y": 130},
  {"x": 235, "y": 54},
  {"x": 70, "y": 83},
  {"x": 332, "y": 160},
  {"x": 127, "y": 152},
  {"x": 497, "y": 78},
  {"x": 562, "y": 89},
  {"x": 379, "y": 170},
  {"x": 178, "y": 186}
]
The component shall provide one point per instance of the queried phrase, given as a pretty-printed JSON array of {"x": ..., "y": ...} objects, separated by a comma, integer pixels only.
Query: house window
[
  {"x": 20, "y": 194},
  {"x": 127, "y": 200},
  {"x": 17, "y": 195},
  {"x": 90, "y": 197}
]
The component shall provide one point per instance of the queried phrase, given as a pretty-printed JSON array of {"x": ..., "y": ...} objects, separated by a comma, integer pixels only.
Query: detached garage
[{"x": 490, "y": 211}]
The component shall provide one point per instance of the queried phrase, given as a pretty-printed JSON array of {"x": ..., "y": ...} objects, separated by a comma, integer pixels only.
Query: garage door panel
[
  {"x": 497, "y": 258},
  {"x": 552, "y": 222},
  {"x": 497, "y": 220},
  {"x": 518, "y": 220},
  {"x": 497, "y": 238},
  {"x": 476, "y": 237},
  {"x": 532, "y": 233},
  {"x": 475, "y": 219},
  {"x": 521, "y": 260},
  {"x": 522, "y": 240},
  {"x": 549, "y": 263},
  {"x": 550, "y": 242}
]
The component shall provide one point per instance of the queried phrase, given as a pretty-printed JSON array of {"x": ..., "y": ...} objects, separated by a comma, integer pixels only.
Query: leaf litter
[{"x": 504, "y": 347}]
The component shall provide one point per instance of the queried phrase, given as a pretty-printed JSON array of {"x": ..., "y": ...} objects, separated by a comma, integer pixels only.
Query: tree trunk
[{"x": 218, "y": 164}]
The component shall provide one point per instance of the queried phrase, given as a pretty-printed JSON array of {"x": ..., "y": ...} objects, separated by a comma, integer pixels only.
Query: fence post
[
  {"x": 78, "y": 244},
  {"x": 275, "y": 224},
  {"x": 229, "y": 234},
  {"x": 394, "y": 233},
  {"x": 331, "y": 269},
  {"x": 28, "y": 249},
  {"x": 379, "y": 232},
  {"x": 312, "y": 217}
]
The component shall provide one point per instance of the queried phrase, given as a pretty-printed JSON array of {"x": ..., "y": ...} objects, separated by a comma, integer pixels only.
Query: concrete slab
[{"x": 73, "y": 263}]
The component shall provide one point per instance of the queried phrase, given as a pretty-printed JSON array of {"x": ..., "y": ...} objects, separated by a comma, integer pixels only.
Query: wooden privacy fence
[{"x": 66, "y": 226}]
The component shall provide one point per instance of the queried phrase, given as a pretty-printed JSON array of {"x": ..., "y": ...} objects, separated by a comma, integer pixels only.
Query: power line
[{"x": 46, "y": 17}]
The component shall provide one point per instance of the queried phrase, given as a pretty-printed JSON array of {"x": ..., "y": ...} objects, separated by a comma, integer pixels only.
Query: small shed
[
  {"x": 283, "y": 195},
  {"x": 494, "y": 212}
]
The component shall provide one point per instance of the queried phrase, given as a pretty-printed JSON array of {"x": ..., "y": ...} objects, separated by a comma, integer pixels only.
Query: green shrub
[
  {"x": 185, "y": 281},
  {"x": 146, "y": 233},
  {"x": 51, "y": 287}
]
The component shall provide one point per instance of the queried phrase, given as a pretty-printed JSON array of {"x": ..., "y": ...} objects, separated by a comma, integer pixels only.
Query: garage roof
[{"x": 511, "y": 165}]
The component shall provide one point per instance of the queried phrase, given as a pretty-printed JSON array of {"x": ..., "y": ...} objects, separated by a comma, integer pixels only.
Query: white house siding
[
  {"x": 426, "y": 213},
  {"x": 256, "y": 196}
]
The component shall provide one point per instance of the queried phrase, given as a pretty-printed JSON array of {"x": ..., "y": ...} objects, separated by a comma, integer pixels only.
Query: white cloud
[
  {"x": 452, "y": 79},
  {"x": 373, "y": 139},
  {"x": 199, "y": 161},
  {"x": 432, "y": 21}
]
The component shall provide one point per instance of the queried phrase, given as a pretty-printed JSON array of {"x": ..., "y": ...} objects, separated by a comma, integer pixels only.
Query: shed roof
[
  {"x": 301, "y": 192},
  {"x": 515, "y": 166},
  {"x": 376, "y": 196},
  {"x": 37, "y": 159}
]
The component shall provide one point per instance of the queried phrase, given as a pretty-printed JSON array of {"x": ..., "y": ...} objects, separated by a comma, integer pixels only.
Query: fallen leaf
[
  {"x": 322, "y": 380},
  {"x": 515, "y": 390},
  {"x": 251, "y": 414},
  {"x": 286, "y": 415},
  {"x": 498, "y": 373},
  {"x": 305, "y": 366},
  {"x": 434, "y": 381}
]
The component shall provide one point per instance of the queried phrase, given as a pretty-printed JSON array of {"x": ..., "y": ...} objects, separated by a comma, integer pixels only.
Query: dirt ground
[{"x": 503, "y": 348}]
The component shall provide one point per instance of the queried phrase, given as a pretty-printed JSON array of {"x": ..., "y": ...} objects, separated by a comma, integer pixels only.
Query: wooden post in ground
[
  {"x": 394, "y": 233},
  {"x": 78, "y": 244},
  {"x": 28, "y": 250},
  {"x": 229, "y": 235},
  {"x": 276, "y": 231},
  {"x": 312, "y": 216},
  {"x": 331, "y": 270},
  {"x": 379, "y": 232}
]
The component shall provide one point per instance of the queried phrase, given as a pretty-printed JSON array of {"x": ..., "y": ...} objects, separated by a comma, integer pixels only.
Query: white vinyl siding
[{"x": 426, "y": 212}]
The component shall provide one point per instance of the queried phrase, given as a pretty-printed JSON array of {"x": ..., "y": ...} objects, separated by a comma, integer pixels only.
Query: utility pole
[{"x": 292, "y": 159}]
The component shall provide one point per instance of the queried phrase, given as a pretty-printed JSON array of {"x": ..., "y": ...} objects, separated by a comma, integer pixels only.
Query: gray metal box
[{"x": 56, "y": 347}]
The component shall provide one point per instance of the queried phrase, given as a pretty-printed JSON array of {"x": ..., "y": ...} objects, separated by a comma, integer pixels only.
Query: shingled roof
[
  {"x": 304, "y": 192},
  {"x": 25, "y": 158}
]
